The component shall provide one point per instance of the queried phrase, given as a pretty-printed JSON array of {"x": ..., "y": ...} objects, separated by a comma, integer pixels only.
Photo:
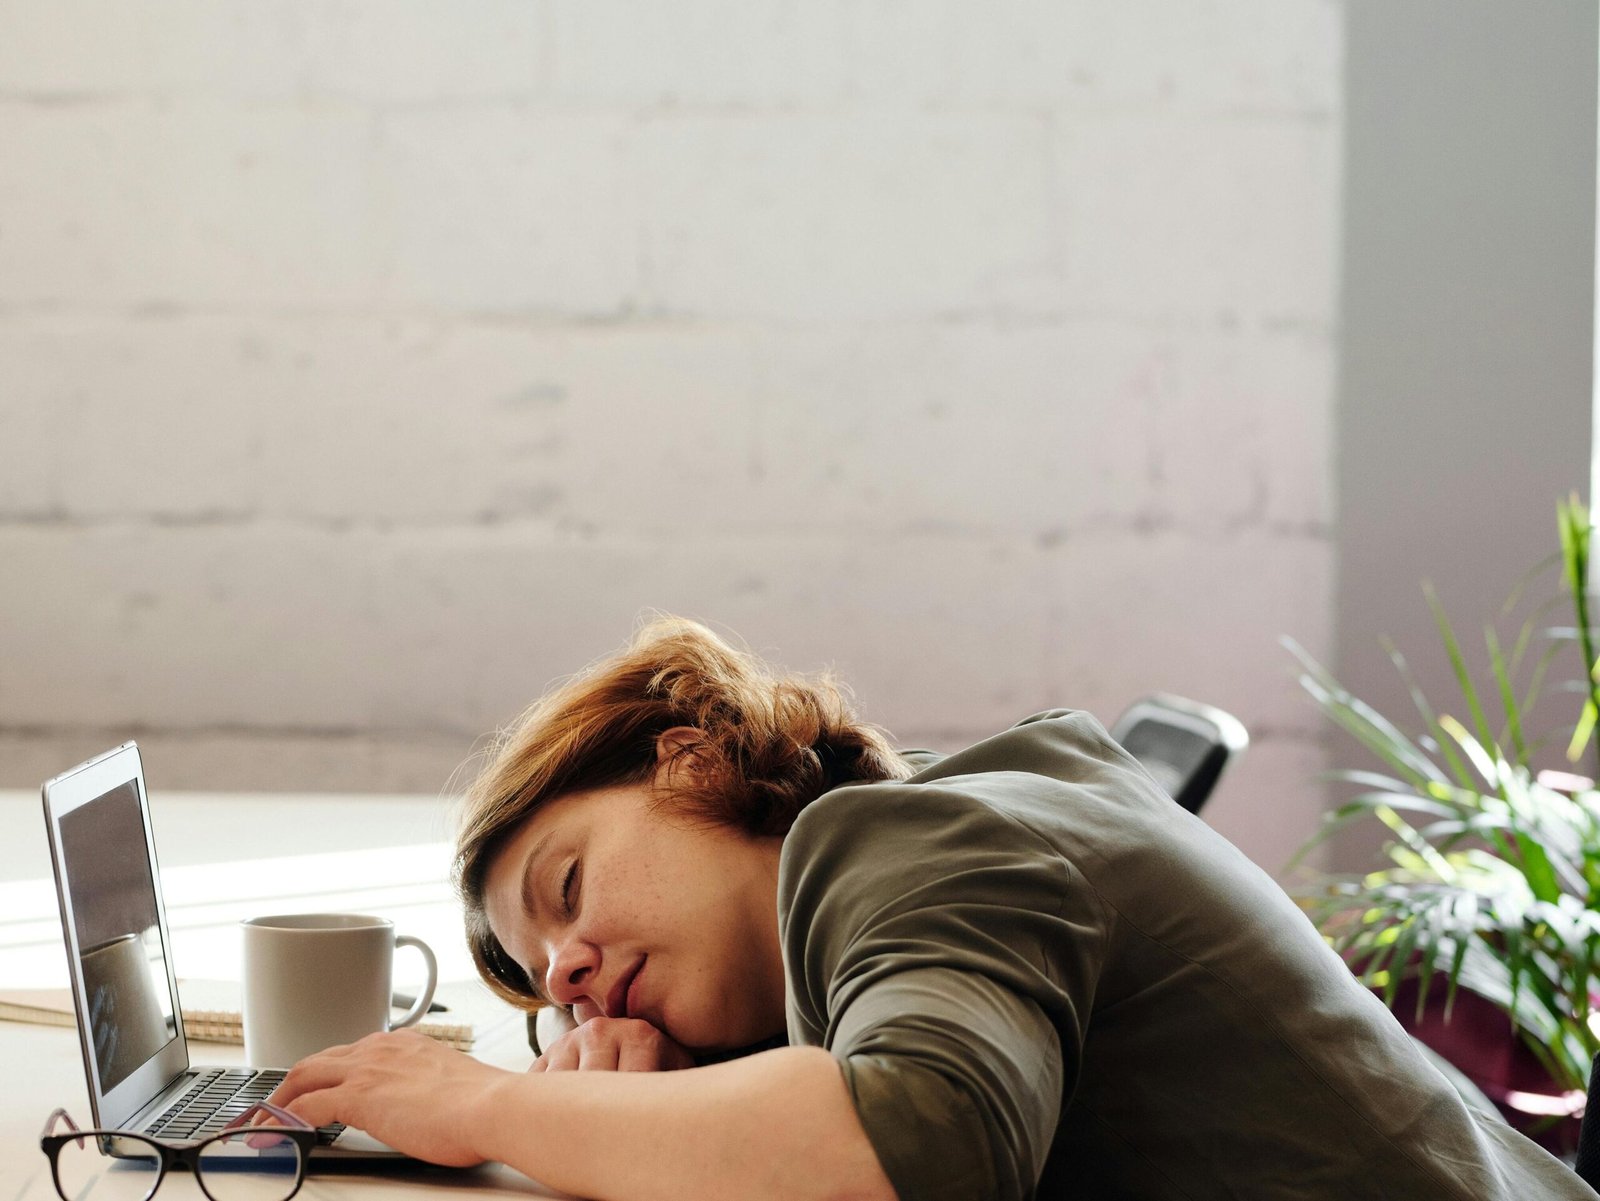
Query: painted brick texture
[{"x": 366, "y": 366}]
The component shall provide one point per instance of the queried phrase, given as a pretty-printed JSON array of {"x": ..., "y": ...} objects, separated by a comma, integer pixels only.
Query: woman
[{"x": 1016, "y": 971}]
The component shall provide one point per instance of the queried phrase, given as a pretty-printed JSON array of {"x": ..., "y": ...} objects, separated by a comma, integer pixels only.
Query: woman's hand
[
  {"x": 613, "y": 1045},
  {"x": 403, "y": 1088}
]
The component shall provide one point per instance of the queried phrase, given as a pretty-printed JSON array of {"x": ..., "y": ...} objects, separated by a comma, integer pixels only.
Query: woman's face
[{"x": 615, "y": 908}]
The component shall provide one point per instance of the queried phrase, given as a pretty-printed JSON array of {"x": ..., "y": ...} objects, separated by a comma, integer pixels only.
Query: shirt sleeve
[{"x": 949, "y": 958}]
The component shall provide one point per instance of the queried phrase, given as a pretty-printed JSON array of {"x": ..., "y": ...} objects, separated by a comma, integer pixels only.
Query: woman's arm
[{"x": 779, "y": 1124}]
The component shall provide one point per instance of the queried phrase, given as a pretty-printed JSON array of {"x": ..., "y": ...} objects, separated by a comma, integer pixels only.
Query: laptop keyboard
[{"x": 217, "y": 1097}]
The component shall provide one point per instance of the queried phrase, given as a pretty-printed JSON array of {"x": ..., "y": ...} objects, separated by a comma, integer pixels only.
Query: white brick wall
[{"x": 365, "y": 366}]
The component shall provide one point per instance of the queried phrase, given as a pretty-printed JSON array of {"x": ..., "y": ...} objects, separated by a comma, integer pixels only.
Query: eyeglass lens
[
  {"x": 250, "y": 1166},
  {"x": 84, "y": 1174},
  {"x": 244, "y": 1165}
]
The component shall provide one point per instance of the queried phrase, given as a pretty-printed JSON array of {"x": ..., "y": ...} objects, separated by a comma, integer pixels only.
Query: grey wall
[
  {"x": 1466, "y": 316},
  {"x": 367, "y": 364}
]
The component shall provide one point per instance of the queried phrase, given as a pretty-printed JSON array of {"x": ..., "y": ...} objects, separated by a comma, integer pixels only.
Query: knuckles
[
  {"x": 600, "y": 1037},
  {"x": 598, "y": 1032}
]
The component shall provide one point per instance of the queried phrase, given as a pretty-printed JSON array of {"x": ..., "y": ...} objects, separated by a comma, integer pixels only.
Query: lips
[
  {"x": 630, "y": 999},
  {"x": 617, "y": 1001}
]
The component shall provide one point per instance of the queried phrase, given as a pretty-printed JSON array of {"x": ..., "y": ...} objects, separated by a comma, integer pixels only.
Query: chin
[
  {"x": 720, "y": 1033},
  {"x": 691, "y": 1031},
  {"x": 690, "y": 1035}
]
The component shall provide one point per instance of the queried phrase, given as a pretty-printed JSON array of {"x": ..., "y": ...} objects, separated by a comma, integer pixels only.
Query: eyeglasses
[{"x": 239, "y": 1163}]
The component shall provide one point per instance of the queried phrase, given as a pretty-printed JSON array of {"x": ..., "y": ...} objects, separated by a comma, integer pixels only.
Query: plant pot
[{"x": 1479, "y": 1040}]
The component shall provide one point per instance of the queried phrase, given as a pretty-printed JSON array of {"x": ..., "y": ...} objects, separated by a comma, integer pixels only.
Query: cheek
[
  {"x": 509, "y": 930},
  {"x": 514, "y": 949},
  {"x": 630, "y": 904},
  {"x": 616, "y": 921}
]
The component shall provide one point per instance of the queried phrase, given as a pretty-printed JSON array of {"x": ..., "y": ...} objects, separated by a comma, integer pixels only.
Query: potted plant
[{"x": 1492, "y": 872}]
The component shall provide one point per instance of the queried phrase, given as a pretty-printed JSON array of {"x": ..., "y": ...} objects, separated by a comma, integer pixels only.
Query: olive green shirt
[{"x": 1042, "y": 978}]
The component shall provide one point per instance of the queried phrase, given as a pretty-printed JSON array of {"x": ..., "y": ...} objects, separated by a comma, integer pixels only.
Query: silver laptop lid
[{"x": 119, "y": 953}]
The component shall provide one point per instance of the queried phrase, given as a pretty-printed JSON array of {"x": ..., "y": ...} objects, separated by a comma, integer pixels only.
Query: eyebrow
[
  {"x": 529, "y": 891},
  {"x": 529, "y": 896}
]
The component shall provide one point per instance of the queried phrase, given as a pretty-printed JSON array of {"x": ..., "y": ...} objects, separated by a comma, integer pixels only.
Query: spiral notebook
[{"x": 211, "y": 1012}]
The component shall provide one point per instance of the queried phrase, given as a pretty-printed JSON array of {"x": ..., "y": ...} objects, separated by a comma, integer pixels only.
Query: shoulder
[
  {"x": 870, "y": 857},
  {"x": 895, "y": 829},
  {"x": 1055, "y": 782},
  {"x": 1033, "y": 814},
  {"x": 928, "y": 805},
  {"x": 882, "y": 879},
  {"x": 1065, "y": 745}
]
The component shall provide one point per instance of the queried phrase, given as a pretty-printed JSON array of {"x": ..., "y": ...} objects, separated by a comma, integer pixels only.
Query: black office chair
[
  {"x": 1587, "y": 1164},
  {"x": 1182, "y": 743}
]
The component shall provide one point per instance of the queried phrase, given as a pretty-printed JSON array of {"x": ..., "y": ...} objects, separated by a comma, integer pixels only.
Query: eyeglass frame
[{"x": 184, "y": 1151}]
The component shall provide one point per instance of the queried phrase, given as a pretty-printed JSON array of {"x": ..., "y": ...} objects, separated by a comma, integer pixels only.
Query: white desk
[{"x": 225, "y": 857}]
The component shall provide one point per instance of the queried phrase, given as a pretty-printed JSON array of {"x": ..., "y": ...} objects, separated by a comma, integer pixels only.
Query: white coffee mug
[{"x": 316, "y": 980}]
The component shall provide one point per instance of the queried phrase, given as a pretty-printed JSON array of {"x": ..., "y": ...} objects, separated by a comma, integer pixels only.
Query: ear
[{"x": 675, "y": 741}]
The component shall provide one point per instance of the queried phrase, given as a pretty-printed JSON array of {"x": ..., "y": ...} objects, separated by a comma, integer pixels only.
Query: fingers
[
  {"x": 320, "y": 1071},
  {"x": 553, "y": 1059},
  {"x": 562, "y": 1055},
  {"x": 315, "y": 1107},
  {"x": 324, "y": 1069},
  {"x": 613, "y": 1045},
  {"x": 319, "y": 1108},
  {"x": 576, "y": 1052},
  {"x": 314, "y": 1088},
  {"x": 638, "y": 1057},
  {"x": 597, "y": 1055}
]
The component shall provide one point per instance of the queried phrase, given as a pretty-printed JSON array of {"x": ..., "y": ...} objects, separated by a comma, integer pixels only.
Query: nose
[{"x": 574, "y": 966}]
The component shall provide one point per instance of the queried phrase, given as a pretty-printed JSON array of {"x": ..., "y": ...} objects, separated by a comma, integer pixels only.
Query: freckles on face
[
  {"x": 522, "y": 897},
  {"x": 565, "y": 896},
  {"x": 676, "y": 920}
]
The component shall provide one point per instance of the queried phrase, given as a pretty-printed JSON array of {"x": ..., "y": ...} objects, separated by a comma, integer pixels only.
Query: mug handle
[{"x": 425, "y": 997}]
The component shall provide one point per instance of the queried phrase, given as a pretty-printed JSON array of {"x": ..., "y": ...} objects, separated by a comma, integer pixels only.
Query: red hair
[{"x": 770, "y": 744}]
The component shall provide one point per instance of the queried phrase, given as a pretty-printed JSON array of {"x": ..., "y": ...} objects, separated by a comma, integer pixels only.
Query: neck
[{"x": 770, "y": 979}]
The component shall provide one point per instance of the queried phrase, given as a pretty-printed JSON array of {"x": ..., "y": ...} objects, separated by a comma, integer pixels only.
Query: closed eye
[{"x": 569, "y": 888}]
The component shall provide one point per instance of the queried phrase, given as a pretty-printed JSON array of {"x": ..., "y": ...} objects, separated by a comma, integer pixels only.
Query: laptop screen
[{"x": 107, "y": 869}]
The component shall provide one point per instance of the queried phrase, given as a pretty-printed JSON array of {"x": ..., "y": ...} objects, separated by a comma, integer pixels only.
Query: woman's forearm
[{"x": 776, "y": 1125}]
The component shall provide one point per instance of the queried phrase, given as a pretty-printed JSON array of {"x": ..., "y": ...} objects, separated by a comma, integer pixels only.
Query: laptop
[{"x": 124, "y": 988}]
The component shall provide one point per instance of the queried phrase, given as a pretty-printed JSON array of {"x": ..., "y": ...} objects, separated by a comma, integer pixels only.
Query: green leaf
[
  {"x": 1466, "y": 915},
  {"x": 1477, "y": 753},
  {"x": 1533, "y": 573},
  {"x": 1492, "y": 880},
  {"x": 1572, "y": 522},
  {"x": 1536, "y": 682},
  {"x": 1365, "y": 724},
  {"x": 1463, "y": 677},
  {"x": 1508, "y": 695},
  {"x": 1583, "y": 731},
  {"x": 1457, "y": 767}
]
